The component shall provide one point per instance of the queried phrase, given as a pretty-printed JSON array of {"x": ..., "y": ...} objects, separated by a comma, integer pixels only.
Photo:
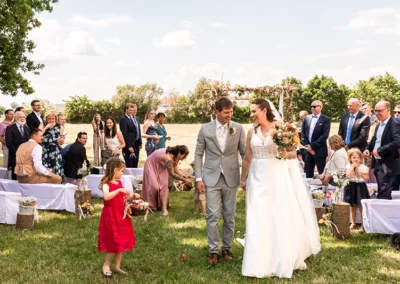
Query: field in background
[{"x": 185, "y": 134}]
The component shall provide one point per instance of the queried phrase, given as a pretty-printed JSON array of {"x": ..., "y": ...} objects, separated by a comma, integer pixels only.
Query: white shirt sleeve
[{"x": 37, "y": 160}]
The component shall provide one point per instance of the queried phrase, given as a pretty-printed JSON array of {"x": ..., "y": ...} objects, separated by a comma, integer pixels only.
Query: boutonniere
[{"x": 232, "y": 130}]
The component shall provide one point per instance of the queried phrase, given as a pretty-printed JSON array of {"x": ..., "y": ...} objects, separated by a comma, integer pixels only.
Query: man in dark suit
[
  {"x": 354, "y": 126},
  {"x": 16, "y": 134},
  {"x": 385, "y": 148},
  {"x": 76, "y": 156},
  {"x": 367, "y": 109},
  {"x": 396, "y": 178},
  {"x": 35, "y": 118},
  {"x": 314, "y": 133},
  {"x": 130, "y": 128}
]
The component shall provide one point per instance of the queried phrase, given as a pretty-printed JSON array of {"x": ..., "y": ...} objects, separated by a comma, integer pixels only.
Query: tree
[
  {"x": 200, "y": 99},
  {"x": 79, "y": 109},
  {"x": 145, "y": 96},
  {"x": 17, "y": 18},
  {"x": 378, "y": 88},
  {"x": 2, "y": 110},
  {"x": 14, "y": 105},
  {"x": 332, "y": 96}
]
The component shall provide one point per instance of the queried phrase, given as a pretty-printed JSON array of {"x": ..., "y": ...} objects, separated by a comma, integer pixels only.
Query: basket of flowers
[
  {"x": 318, "y": 197},
  {"x": 138, "y": 207}
]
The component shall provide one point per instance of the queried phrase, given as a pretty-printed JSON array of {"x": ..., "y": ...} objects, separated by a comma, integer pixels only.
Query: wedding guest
[
  {"x": 314, "y": 133},
  {"x": 51, "y": 140},
  {"x": 29, "y": 168},
  {"x": 367, "y": 110},
  {"x": 116, "y": 234},
  {"x": 114, "y": 140},
  {"x": 302, "y": 116},
  {"x": 150, "y": 132},
  {"x": 354, "y": 126},
  {"x": 61, "y": 120},
  {"x": 396, "y": 178},
  {"x": 158, "y": 166},
  {"x": 20, "y": 109},
  {"x": 76, "y": 156},
  {"x": 16, "y": 134},
  {"x": 396, "y": 112},
  {"x": 8, "y": 119},
  {"x": 35, "y": 118},
  {"x": 385, "y": 149},
  {"x": 161, "y": 131},
  {"x": 130, "y": 128},
  {"x": 357, "y": 189},
  {"x": 338, "y": 160},
  {"x": 98, "y": 138}
]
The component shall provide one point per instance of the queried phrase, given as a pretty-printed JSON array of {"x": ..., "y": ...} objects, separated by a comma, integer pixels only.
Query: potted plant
[
  {"x": 83, "y": 195},
  {"x": 318, "y": 197},
  {"x": 27, "y": 205}
]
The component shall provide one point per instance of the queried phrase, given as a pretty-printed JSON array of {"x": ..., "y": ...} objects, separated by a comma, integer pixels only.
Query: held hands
[
  {"x": 243, "y": 184},
  {"x": 310, "y": 150},
  {"x": 375, "y": 153},
  {"x": 200, "y": 186},
  {"x": 187, "y": 180},
  {"x": 366, "y": 154}
]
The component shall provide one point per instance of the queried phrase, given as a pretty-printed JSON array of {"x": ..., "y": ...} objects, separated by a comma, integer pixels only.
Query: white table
[
  {"x": 4, "y": 174},
  {"x": 128, "y": 171},
  {"x": 9, "y": 207},
  {"x": 50, "y": 196},
  {"x": 128, "y": 181},
  {"x": 381, "y": 216}
]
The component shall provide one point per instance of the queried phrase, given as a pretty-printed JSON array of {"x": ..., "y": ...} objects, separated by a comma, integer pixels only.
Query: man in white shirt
[{"x": 29, "y": 167}]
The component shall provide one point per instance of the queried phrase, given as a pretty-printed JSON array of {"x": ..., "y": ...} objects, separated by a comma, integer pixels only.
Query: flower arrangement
[
  {"x": 87, "y": 210},
  {"x": 136, "y": 206},
  {"x": 84, "y": 171},
  {"x": 27, "y": 201},
  {"x": 318, "y": 194},
  {"x": 285, "y": 135},
  {"x": 340, "y": 179},
  {"x": 139, "y": 179},
  {"x": 232, "y": 131}
]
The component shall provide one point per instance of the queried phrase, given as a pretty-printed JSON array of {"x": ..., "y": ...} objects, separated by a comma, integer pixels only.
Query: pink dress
[{"x": 155, "y": 180}]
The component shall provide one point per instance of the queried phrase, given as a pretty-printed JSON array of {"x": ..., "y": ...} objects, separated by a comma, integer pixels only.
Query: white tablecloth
[
  {"x": 9, "y": 207},
  {"x": 5, "y": 174},
  {"x": 128, "y": 182},
  {"x": 128, "y": 171},
  {"x": 381, "y": 216},
  {"x": 50, "y": 196}
]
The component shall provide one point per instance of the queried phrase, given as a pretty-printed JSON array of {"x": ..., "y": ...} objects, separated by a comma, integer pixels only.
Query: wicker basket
[{"x": 138, "y": 212}]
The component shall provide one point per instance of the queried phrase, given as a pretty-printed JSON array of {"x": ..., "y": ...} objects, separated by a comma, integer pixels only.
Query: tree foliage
[
  {"x": 17, "y": 18},
  {"x": 2, "y": 109},
  {"x": 145, "y": 96},
  {"x": 79, "y": 109},
  {"x": 378, "y": 88}
]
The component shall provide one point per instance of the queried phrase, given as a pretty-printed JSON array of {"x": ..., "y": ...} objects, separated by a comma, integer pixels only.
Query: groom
[{"x": 220, "y": 140}]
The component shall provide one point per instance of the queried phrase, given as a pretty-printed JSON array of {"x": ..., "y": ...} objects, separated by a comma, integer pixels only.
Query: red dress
[{"x": 115, "y": 234}]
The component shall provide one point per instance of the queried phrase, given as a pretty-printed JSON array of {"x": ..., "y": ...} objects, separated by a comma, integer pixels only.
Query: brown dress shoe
[
  {"x": 227, "y": 254},
  {"x": 213, "y": 259}
]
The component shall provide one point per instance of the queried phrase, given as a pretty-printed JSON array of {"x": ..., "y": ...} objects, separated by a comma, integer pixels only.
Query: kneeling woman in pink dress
[{"x": 158, "y": 166}]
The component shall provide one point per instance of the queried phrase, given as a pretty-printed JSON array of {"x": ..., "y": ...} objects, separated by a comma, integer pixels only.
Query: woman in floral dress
[
  {"x": 52, "y": 137},
  {"x": 150, "y": 132}
]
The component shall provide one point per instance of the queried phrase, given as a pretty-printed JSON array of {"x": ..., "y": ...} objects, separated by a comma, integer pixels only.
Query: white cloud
[
  {"x": 114, "y": 41},
  {"x": 363, "y": 42},
  {"x": 379, "y": 21},
  {"x": 343, "y": 53},
  {"x": 284, "y": 45},
  {"x": 241, "y": 70},
  {"x": 187, "y": 24},
  {"x": 222, "y": 41},
  {"x": 183, "y": 39},
  {"x": 79, "y": 42},
  {"x": 101, "y": 23},
  {"x": 220, "y": 25}
]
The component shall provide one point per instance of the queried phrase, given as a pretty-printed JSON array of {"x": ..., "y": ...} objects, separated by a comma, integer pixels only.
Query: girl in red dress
[{"x": 115, "y": 233}]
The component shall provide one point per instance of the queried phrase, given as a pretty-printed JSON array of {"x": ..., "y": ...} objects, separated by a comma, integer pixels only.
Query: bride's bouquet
[{"x": 285, "y": 135}]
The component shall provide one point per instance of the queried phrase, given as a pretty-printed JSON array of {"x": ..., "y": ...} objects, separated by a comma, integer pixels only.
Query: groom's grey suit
[{"x": 221, "y": 177}]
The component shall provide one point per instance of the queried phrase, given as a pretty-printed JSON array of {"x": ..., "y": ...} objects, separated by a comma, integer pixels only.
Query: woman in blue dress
[{"x": 150, "y": 132}]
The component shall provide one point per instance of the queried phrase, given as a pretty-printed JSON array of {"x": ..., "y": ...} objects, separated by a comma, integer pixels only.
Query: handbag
[{"x": 105, "y": 156}]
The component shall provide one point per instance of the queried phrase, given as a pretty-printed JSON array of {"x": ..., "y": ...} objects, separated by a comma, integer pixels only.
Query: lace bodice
[
  {"x": 263, "y": 149},
  {"x": 112, "y": 143}
]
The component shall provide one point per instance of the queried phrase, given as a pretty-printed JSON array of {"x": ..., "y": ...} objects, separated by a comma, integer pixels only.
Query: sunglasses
[
  {"x": 380, "y": 110},
  {"x": 397, "y": 112},
  {"x": 82, "y": 133},
  {"x": 315, "y": 106}
]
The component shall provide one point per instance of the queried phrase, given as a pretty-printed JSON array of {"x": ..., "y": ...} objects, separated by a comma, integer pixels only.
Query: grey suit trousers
[{"x": 221, "y": 198}]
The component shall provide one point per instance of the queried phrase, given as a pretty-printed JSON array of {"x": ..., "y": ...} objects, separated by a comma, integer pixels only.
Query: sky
[{"x": 92, "y": 46}]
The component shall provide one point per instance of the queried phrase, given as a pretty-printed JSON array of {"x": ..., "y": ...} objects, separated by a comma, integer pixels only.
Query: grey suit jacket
[{"x": 217, "y": 160}]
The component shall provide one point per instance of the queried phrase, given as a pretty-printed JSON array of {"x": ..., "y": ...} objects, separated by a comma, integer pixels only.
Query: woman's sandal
[
  {"x": 120, "y": 271},
  {"x": 107, "y": 273}
]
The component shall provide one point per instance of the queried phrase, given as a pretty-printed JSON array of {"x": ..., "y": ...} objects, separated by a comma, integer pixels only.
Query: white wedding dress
[
  {"x": 113, "y": 143},
  {"x": 281, "y": 227}
]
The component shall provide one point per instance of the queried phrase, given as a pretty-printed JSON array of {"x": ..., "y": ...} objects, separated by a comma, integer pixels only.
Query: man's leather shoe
[
  {"x": 227, "y": 254},
  {"x": 213, "y": 259}
]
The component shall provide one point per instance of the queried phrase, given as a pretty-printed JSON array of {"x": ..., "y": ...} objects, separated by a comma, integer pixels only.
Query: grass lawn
[{"x": 61, "y": 249}]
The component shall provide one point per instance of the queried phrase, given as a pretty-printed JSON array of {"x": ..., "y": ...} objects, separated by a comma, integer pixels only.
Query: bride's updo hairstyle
[
  {"x": 264, "y": 104},
  {"x": 178, "y": 149}
]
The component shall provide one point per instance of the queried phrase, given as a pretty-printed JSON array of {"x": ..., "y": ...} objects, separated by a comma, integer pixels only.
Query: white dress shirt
[
  {"x": 222, "y": 132},
  {"x": 38, "y": 114},
  {"x": 37, "y": 159},
  {"x": 314, "y": 120}
]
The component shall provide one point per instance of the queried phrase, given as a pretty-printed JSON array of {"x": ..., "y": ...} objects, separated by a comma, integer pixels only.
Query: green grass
[{"x": 61, "y": 249}]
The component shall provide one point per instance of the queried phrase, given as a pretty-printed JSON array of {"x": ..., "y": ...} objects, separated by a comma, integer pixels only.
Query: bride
[{"x": 281, "y": 227}]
